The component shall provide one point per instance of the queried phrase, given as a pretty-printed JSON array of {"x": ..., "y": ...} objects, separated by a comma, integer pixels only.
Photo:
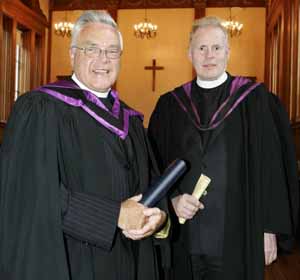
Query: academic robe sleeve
[
  {"x": 89, "y": 219},
  {"x": 33, "y": 213},
  {"x": 31, "y": 239},
  {"x": 288, "y": 153},
  {"x": 288, "y": 157},
  {"x": 159, "y": 131},
  {"x": 278, "y": 168},
  {"x": 158, "y": 127}
]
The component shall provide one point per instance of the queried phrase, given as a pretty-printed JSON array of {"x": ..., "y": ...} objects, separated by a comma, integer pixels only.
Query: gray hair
[
  {"x": 208, "y": 22},
  {"x": 94, "y": 17}
]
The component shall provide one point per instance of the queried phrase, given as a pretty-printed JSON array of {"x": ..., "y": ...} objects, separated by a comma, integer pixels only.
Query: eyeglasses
[
  {"x": 95, "y": 52},
  {"x": 215, "y": 49}
]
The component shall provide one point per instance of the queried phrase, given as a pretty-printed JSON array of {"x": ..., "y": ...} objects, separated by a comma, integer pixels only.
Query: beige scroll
[{"x": 199, "y": 190}]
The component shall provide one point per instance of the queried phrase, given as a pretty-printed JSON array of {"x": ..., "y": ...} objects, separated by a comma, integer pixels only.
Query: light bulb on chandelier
[
  {"x": 233, "y": 27},
  {"x": 63, "y": 28},
  {"x": 145, "y": 29}
]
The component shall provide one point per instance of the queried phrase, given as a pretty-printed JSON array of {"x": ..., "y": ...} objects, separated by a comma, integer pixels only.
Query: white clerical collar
[
  {"x": 214, "y": 83},
  {"x": 82, "y": 86}
]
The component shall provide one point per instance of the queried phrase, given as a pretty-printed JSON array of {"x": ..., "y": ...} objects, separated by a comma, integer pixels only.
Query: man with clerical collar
[
  {"x": 237, "y": 134},
  {"x": 74, "y": 162}
]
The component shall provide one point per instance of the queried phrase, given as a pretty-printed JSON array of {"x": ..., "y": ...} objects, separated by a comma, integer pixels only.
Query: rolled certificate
[
  {"x": 161, "y": 186},
  {"x": 199, "y": 189}
]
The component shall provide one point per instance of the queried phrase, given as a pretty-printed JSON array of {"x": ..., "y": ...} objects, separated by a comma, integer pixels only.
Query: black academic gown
[
  {"x": 251, "y": 157},
  {"x": 63, "y": 177}
]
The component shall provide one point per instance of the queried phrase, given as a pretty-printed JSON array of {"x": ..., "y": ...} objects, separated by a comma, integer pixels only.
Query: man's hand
[
  {"x": 186, "y": 206},
  {"x": 155, "y": 219},
  {"x": 270, "y": 246},
  {"x": 131, "y": 214}
]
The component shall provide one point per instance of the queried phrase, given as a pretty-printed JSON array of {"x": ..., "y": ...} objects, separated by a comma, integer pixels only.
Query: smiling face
[
  {"x": 98, "y": 73},
  {"x": 209, "y": 52}
]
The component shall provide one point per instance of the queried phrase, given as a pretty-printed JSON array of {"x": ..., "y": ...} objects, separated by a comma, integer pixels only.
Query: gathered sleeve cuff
[{"x": 89, "y": 219}]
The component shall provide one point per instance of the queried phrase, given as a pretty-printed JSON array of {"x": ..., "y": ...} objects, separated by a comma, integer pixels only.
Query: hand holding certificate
[{"x": 199, "y": 190}]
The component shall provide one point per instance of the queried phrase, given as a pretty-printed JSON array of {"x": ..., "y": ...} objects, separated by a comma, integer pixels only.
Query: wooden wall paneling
[
  {"x": 297, "y": 50},
  {"x": 294, "y": 57},
  {"x": 282, "y": 58},
  {"x": 32, "y": 63},
  {"x": 15, "y": 14},
  {"x": 1, "y": 70},
  {"x": 296, "y": 79},
  {"x": 279, "y": 50},
  {"x": 112, "y": 7},
  {"x": 276, "y": 70},
  {"x": 41, "y": 58},
  {"x": 274, "y": 49},
  {"x": 26, "y": 71},
  {"x": 199, "y": 7},
  {"x": 7, "y": 52},
  {"x": 62, "y": 5},
  {"x": 24, "y": 15},
  {"x": 6, "y": 48},
  {"x": 11, "y": 74},
  {"x": 37, "y": 50},
  {"x": 49, "y": 48},
  {"x": 236, "y": 3},
  {"x": 287, "y": 86},
  {"x": 268, "y": 61}
]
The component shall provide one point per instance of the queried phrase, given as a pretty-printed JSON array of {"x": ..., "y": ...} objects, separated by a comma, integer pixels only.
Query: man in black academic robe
[
  {"x": 237, "y": 133},
  {"x": 72, "y": 160}
]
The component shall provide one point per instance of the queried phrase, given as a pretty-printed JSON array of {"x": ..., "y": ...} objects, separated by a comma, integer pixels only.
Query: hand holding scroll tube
[
  {"x": 137, "y": 218},
  {"x": 186, "y": 205},
  {"x": 131, "y": 214}
]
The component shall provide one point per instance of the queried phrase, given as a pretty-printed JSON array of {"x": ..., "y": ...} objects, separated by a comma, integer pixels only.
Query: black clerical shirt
[{"x": 207, "y": 102}]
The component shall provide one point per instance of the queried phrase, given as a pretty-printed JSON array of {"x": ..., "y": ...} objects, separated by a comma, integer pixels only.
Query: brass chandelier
[
  {"x": 63, "y": 28},
  {"x": 233, "y": 27},
  {"x": 145, "y": 29}
]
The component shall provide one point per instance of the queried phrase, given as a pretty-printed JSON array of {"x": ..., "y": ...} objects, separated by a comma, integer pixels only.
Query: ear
[
  {"x": 72, "y": 56},
  {"x": 228, "y": 52},
  {"x": 190, "y": 54}
]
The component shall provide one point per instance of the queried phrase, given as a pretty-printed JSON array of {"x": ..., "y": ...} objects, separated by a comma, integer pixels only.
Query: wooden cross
[{"x": 153, "y": 68}]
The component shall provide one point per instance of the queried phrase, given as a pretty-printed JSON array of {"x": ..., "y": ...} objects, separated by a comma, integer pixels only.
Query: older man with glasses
[{"x": 74, "y": 162}]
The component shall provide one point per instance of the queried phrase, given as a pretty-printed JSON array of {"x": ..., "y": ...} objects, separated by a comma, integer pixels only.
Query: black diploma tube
[{"x": 160, "y": 187}]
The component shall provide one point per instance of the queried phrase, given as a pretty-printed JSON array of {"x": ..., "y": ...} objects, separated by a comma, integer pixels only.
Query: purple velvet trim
[
  {"x": 91, "y": 97},
  {"x": 122, "y": 133},
  {"x": 236, "y": 103},
  {"x": 236, "y": 84},
  {"x": 179, "y": 101},
  {"x": 188, "y": 87}
]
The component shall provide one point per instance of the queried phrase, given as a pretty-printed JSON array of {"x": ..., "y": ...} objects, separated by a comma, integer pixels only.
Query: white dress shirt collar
[
  {"x": 214, "y": 83},
  {"x": 82, "y": 86}
]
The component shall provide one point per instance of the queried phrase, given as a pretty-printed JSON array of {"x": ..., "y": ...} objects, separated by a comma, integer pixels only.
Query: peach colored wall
[
  {"x": 60, "y": 60},
  {"x": 247, "y": 54},
  {"x": 169, "y": 49}
]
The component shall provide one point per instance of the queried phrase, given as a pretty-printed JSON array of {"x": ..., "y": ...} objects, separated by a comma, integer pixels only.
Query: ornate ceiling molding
[
  {"x": 139, "y": 4},
  {"x": 33, "y": 4}
]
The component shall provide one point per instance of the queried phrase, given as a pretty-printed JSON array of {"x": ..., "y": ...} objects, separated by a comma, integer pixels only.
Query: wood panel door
[{"x": 22, "y": 44}]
